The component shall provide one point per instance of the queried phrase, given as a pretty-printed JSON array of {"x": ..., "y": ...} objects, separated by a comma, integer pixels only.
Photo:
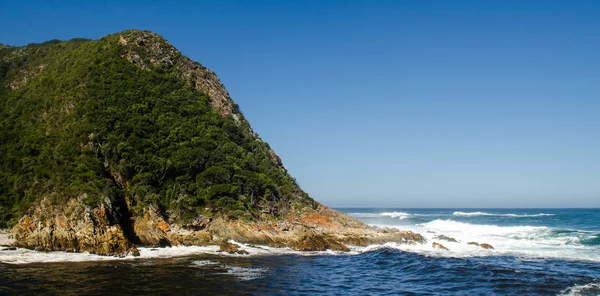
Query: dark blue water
[{"x": 564, "y": 262}]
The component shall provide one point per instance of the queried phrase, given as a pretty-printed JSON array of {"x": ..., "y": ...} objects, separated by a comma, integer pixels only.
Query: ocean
[{"x": 536, "y": 252}]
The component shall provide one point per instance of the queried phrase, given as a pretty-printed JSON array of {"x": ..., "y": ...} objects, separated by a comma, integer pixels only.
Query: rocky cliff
[{"x": 123, "y": 141}]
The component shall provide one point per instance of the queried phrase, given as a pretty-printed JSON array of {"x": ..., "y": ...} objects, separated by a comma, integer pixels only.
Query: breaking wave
[
  {"x": 592, "y": 288},
  {"x": 471, "y": 214}
]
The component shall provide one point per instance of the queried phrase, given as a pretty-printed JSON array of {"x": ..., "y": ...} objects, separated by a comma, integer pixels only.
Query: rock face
[
  {"x": 73, "y": 228},
  {"x": 104, "y": 185}
]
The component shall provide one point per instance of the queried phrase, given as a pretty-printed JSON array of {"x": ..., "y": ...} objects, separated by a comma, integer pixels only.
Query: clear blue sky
[{"x": 389, "y": 103}]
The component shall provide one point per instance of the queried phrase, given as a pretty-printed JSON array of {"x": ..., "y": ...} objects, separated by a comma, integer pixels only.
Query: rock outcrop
[
  {"x": 72, "y": 227},
  {"x": 102, "y": 193},
  {"x": 446, "y": 238},
  {"x": 439, "y": 246},
  {"x": 483, "y": 245},
  {"x": 231, "y": 249}
]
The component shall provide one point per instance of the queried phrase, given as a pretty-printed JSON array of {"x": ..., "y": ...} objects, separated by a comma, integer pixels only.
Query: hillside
[{"x": 124, "y": 141}]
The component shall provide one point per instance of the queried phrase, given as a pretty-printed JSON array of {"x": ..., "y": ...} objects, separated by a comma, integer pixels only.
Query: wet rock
[
  {"x": 446, "y": 238},
  {"x": 318, "y": 242},
  {"x": 8, "y": 249},
  {"x": 231, "y": 249},
  {"x": 135, "y": 252},
  {"x": 486, "y": 246},
  {"x": 439, "y": 246},
  {"x": 483, "y": 245}
]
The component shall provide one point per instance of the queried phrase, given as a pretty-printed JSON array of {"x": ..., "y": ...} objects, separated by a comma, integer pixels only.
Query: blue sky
[{"x": 389, "y": 103}]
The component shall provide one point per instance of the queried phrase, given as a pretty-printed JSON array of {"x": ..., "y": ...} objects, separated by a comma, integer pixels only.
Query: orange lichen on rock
[
  {"x": 163, "y": 226},
  {"x": 316, "y": 219},
  {"x": 26, "y": 223}
]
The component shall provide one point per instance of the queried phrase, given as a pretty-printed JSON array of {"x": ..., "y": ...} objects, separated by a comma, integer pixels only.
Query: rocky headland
[{"x": 123, "y": 142}]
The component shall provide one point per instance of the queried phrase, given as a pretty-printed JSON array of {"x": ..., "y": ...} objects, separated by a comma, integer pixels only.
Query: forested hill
[{"x": 129, "y": 123}]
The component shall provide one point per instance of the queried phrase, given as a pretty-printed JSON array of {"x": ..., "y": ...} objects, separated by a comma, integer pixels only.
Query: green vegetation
[{"x": 78, "y": 118}]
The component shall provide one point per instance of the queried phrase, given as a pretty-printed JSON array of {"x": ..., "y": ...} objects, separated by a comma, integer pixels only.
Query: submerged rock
[{"x": 439, "y": 246}]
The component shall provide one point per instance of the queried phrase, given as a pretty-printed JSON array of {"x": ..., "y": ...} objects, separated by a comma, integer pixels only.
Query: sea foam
[
  {"x": 520, "y": 241},
  {"x": 592, "y": 288}
]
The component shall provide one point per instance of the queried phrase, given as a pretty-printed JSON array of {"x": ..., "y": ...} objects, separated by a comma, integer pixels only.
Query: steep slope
[{"x": 120, "y": 141}]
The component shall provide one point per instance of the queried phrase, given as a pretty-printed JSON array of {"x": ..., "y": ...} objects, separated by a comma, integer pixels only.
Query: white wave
[
  {"x": 471, "y": 214},
  {"x": 455, "y": 226},
  {"x": 365, "y": 215},
  {"x": 518, "y": 241},
  {"x": 395, "y": 214},
  {"x": 200, "y": 263},
  {"x": 246, "y": 273},
  {"x": 592, "y": 288},
  {"x": 26, "y": 256},
  {"x": 399, "y": 215}
]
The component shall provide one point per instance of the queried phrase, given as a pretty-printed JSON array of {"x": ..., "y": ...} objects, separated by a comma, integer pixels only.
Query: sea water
[{"x": 536, "y": 252}]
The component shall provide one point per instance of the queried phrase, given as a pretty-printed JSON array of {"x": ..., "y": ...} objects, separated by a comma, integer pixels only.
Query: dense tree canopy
[{"x": 77, "y": 118}]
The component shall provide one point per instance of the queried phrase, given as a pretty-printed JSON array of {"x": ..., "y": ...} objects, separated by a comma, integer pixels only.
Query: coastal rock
[
  {"x": 483, "y": 245},
  {"x": 439, "y": 246},
  {"x": 446, "y": 238},
  {"x": 318, "y": 243},
  {"x": 231, "y": 249},
  {"x": 486, "y": 246},
  {"x": 73, "y": 227}
]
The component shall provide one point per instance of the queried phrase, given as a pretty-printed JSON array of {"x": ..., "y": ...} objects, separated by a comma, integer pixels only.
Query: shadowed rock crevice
[{"x": 122, "y": 209}]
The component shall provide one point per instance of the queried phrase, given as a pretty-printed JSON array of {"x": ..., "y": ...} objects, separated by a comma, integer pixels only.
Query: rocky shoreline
[{"x": 78, "y": 228}]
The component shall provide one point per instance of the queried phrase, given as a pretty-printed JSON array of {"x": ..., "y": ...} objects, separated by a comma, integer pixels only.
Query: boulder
[
  {"x": 231, "y": 249},
  {"x": 446, "y": 238},
  {"x": 439, "y": 246},
  {"x": 486, "y": 246},
  {"x": 483, "y": 245}
]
